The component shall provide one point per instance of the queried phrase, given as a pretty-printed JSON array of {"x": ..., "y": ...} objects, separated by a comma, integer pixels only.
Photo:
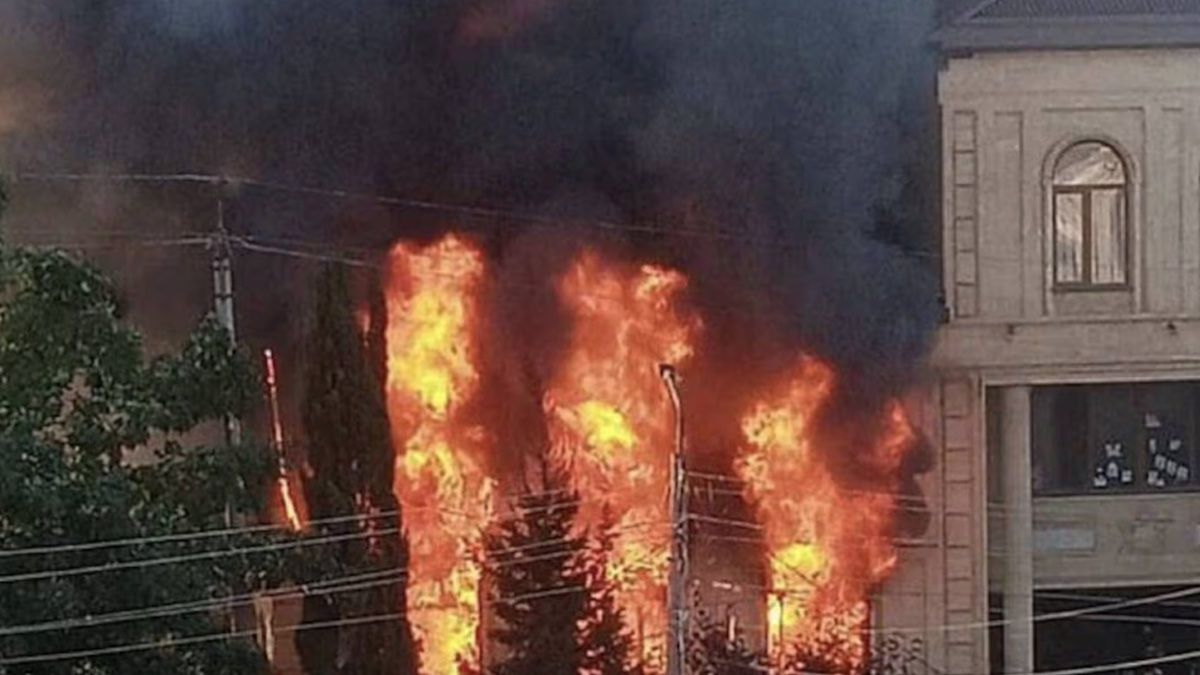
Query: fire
[
  {"x": 291, "y": 512},
  {"x": 611, "y": 423},
  {"x": 432, "y": 339},
  {"x": 829, "y": 546}
]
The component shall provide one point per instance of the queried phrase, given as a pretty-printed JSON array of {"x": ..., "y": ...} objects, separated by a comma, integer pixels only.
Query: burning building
[
  {"x": 813, "y": 547},
  {"x": 729, "y": 162}
]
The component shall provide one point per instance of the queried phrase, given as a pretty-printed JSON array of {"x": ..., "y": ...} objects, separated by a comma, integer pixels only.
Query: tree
[
  {"x": 78, "y": 404},
  {"x": 538, "y": 584},
  {"x": 350, "y": 452},
  {"x": 608, "y": 648},
  {"x": 712, "y": 651}
]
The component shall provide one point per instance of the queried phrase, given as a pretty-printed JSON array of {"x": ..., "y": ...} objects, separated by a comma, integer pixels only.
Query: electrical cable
[
  {"x": 473, "y": 212},
  {"x": 335, "y": 585},
  {"x": 258, "y": 529},
  {"x": 192, "y": 640},
  {"x": 205, "y": 555}
]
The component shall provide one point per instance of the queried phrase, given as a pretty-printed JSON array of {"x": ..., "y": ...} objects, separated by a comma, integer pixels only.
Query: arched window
[{"x": 1091, "y": 206}]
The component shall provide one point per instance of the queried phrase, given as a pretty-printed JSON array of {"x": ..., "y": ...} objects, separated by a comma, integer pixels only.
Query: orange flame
[
  {"x": 611, "y": 422},
  {"x": 290, "y": 511},
  {"x": 431, "y": 351},
  {"x": 611, "y": 425},
  {"x": 829, "y": 546}
]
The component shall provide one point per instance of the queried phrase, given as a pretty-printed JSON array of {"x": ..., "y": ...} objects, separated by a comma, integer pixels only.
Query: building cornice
[{"x": 1006, "y": 35}]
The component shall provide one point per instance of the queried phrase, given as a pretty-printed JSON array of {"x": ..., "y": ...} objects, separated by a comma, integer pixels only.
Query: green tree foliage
[
  {"x": 712, "y": 651},
  {"x": 350, "y": 452},
  {"x": 551, "y": 594},
  {"x": 537, "y": 584},
  {"x": 608, "y": 648},
  {"x": 77, "y": 397}
]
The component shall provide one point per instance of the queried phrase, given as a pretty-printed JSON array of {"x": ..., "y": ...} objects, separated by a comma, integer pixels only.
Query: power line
[
  {"x": 474, "y": 212},
  {"x": 190, "y": 607},
  {"x": 361, "y": 518},
  {"x": 184, "y": 536},
  {"x": 176, "y": 642},
  {"x": 208, "y": 555},
  {"x": 117, "y": 243},
  {"x": 192, "y": 640},
  {"x": 205, "y": 555},
  {"x": 1121, "y": 665},
  {"x": 335, "y": 585},
  {"x": 199, "y": 178},
  {"x": 1083, "y": 612},
  {"x": 1055, "y": 616}
]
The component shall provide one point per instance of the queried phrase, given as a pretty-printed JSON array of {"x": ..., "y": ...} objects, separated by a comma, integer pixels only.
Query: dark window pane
[{"x": 1123, "y": 437}]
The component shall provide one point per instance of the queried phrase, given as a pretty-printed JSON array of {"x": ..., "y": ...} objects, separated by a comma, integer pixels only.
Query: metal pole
[
  {"x": 222, "y": 267},
  {"x": 677, "y": 584}
]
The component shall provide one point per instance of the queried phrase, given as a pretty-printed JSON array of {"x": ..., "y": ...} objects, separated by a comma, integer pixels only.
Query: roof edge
[{"x": 1069, "y": 34}]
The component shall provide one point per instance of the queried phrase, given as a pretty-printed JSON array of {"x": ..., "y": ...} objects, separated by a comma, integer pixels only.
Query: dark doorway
[{"x": 1119, "y": 634}]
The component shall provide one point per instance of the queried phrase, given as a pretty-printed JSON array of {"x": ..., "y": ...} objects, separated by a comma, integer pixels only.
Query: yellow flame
[
  {"x": 289, "y": 504},
  {"x": 605, "y": 427},
  {"x": 431, "y": 346},
  {"x": 607, "y": 409},
  {"x": 828, "y": 546}
]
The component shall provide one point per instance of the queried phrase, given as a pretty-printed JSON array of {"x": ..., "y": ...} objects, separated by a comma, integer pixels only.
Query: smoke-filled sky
[{"x": 804, "y": 127}]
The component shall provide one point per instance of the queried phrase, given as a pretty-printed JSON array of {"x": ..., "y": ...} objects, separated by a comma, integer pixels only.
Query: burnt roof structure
[{"x": 975, "y": 25}]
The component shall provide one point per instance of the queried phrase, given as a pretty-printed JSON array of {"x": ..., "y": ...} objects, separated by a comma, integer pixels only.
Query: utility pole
[
  {"x": 222, "y": 268},
  {"x": 677, "y": 584}
]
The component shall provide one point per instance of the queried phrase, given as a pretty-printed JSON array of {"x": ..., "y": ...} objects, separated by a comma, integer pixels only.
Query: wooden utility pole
[{"x": 677, "y": 583}]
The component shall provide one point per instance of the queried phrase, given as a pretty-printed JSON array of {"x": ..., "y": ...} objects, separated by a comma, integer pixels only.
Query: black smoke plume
[{"x": 783, "y": 148}]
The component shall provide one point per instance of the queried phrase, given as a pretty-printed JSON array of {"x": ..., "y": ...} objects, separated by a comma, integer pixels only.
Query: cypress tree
[{"x": 350, "y": 452}]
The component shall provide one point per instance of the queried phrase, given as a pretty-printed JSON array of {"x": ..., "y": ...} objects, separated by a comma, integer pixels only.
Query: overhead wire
[
  {"x": 176, "y": 642},
  {"x": 191, "y": 557},
  {"x": 190, "y": 607},
  {"x": 324, "y": 586},
  {"x": 173, "y": 642},
  {"x": 43, "y": 243},
  {"x": 68, "y": 572},
  {"x": 43, "y": 550},
  {"x": 497, "y": 215}
]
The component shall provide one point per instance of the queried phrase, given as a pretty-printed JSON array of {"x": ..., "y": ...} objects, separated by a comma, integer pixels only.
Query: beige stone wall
[
  {"x": 1006, "y": 115},
  {"x": 938, "y": 594},
  {"x": 1101, "y": 541}
]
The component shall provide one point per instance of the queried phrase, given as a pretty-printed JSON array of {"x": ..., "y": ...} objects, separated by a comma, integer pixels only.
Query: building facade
[{"x": 1066, "y": 406}]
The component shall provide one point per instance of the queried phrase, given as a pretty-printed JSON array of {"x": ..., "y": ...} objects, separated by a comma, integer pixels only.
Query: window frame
[{"x": 1086, "y": 192}]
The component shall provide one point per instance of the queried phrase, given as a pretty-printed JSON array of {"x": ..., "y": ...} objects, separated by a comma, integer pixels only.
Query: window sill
[{"x": 1091, "y": 288}]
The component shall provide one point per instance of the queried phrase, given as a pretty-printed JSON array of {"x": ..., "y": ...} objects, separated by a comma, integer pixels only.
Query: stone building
[{"x": 1066, "y": 407}]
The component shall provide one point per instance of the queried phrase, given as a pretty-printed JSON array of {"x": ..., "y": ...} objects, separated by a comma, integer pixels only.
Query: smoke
[{"x": 787, "y": 144}]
